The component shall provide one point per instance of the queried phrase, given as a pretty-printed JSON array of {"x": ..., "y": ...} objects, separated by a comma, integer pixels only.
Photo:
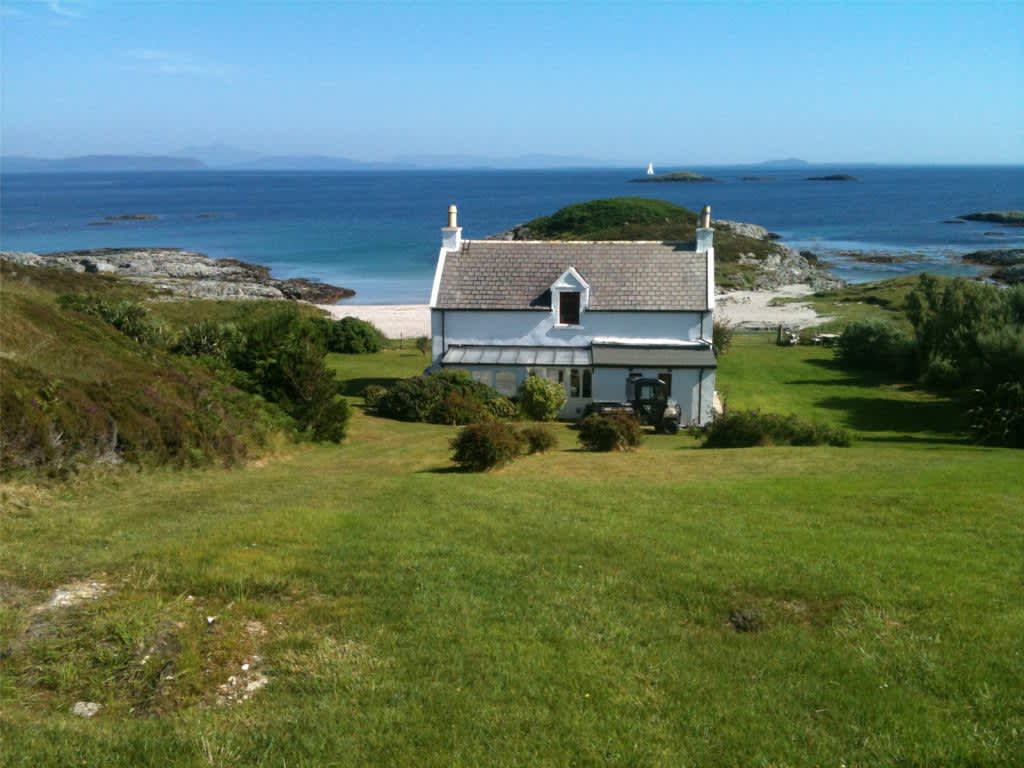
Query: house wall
[
  {"x": 538, "y": 329},
  {"x": 688, "y": 384}
]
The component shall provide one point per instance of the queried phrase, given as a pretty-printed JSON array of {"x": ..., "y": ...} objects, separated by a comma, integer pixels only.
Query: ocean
[{"x": 378, "y": 232}]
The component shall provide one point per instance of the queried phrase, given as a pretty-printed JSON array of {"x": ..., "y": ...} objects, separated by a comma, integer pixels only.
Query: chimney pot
[
  {"x": 453, "y": 215},
  {"x": 705, "y": 217}
]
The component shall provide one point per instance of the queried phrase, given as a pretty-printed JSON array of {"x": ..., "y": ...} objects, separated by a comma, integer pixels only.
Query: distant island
[
  {"x": 677, "y": 176},
  {"x": 833, "y": 177},
  {"x": 1012, "y": 218}
]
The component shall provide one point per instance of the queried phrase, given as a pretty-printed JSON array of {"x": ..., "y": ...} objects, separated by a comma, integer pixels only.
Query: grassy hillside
[
  {"x": 637, "y": 218},
  {"x": 569, "y": 609},
  {"x": 75, "y": 389}
]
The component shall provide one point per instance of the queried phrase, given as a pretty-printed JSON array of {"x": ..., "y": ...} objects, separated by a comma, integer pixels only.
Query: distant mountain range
[
  {"x": 226, "y": 158},
  {"x": 86, "y": 163},
  {"x": 222, "y": 157}
]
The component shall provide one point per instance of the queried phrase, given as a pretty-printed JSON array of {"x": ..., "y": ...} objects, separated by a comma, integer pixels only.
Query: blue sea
[{"x": 378, "y": 232}]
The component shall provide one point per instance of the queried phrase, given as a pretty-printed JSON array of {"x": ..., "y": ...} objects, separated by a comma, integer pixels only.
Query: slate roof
[{"x": 517, "y": 274}]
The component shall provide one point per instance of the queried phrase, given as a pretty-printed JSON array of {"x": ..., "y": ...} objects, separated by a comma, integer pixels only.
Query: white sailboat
[{"x": 650, "y": 169}]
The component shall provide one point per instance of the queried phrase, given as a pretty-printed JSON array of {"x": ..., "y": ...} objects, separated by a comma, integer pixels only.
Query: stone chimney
[
  {"x": 451, "y": 236},
  {"x": 705, "y": 234}
]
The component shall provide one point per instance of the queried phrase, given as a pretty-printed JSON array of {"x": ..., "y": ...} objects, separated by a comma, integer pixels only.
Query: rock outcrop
[
  {"x": 1009, "y": 263},
  {"x": 185, "y": 273},
  {"x": 1012, "y": 218}
]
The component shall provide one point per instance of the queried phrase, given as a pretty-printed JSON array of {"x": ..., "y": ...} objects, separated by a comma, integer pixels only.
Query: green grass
[
  {"x": 570, "y": 609},
  {"x": 884, "y": 299}
]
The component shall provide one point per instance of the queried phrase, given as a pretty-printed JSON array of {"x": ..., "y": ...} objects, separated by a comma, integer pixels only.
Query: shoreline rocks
[
  {"x": 185, "y": 273},
  {"x": 1008, "y": 264}
]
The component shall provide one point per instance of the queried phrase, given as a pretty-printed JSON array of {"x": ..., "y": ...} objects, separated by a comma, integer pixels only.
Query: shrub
[
  {"x": 129, "y": 317},
  {"x": 747, "y": 429},
  {"x": 538, "y": 439},
  {"x": 423, "y": 344},
  {"x": 721, "y": 337},
  {"x": 997, "y": 417},
  {"x": 502, "y": 408},
  {"x": 352, "y": 336},
  {"x": 875, "y": 345},
  {"x": 206, "y": 339},
  {"x": 540, "y": 399},
  {"x": 281, "y": 357},
  {"x": 614, "y": 432},
  {"x": 458, "y": 407},
  {"x": 940, "y": 376},
  {"x": 446, "y": 397},
  {"x": 479, "y": 447},
  {"x": 373, "y": 394}
]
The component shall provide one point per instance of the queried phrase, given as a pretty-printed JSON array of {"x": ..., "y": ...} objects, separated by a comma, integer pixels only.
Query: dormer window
[
  {"x": 570, "y": 295},
  {"x": 569, "y": 308}
]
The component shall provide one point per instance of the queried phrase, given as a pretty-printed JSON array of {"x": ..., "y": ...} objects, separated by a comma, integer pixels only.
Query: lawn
[{"x": 570, "y": 609}]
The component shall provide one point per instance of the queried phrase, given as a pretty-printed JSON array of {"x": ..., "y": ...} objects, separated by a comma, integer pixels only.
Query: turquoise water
[{"x": 378, "y": 233}]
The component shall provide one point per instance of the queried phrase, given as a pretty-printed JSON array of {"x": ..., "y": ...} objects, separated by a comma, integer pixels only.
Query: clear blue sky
[{"x": 625, "y": 83}]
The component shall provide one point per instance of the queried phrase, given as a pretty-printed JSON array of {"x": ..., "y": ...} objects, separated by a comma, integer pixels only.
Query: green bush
[
  {"x": 614, "y": 432},
  {"x": 540, "y": 399},
  {"x": 445, "y": 397},
  {"x": 721, "y": 337},
  {"x": 373, "y": 394},
  {"x": 352, "y": 336},
  {"x": 538, "y": 439},
  {"x": 281, "y": 357},
  {"x": 458, "y": 407},
  {"x": 479, "y": 447},
  {"x": 875, "y": 345},
  {"x": 129, "y": 317},
  {"x": 747, "y": 429},
  {"x": 502, "y": 408}
]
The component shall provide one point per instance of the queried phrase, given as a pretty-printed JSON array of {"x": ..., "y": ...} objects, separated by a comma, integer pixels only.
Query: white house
[{"x": 588, "y": 315}]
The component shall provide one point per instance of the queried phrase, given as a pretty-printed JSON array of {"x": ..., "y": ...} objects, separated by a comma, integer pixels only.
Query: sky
[{"x": 623, "y": 83}]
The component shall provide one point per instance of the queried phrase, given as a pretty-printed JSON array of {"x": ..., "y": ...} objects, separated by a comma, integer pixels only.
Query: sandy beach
[
  {"x": 752, "y": 310},
  {"x": 743, "y": 309},
  {"x": 396, "y": 321}
]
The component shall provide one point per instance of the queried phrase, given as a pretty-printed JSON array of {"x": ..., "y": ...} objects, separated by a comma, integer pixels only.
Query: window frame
[{"x": 578, "y": 320}]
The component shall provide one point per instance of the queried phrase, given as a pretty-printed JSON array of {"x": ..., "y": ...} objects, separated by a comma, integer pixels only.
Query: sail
[{"x": 650, "y": 169}]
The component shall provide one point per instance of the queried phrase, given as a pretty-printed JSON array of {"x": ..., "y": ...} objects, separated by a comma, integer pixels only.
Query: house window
[
  {"x": 484, "y": 377},
  {"x": 569, "y": 308},
  {"x": 505, "y": 383},
  {"x": 581, "y": 382}
]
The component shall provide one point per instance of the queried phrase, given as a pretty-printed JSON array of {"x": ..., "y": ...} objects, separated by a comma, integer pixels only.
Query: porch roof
[
  {"x": 490, "y": 355},
  {"x": 643, "y": 356}
]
